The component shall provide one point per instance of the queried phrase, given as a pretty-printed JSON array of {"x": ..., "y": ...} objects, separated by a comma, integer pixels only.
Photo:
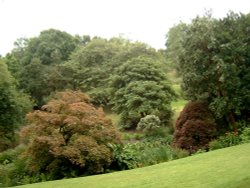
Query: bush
[
  {"x": 13, "y": 167},
  {"x": 245, "y": 135},
  {"x": 227, "y": 140},
  {"x": 149, "y": 124},
  {"x": 9, "y": 156},
  {"x": 124, "y": 157},
  {"x": 144, "y": 153},
  {"x": 195, "y": 127}
]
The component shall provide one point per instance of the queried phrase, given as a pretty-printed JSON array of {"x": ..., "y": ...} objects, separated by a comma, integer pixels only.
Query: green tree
[
  {"x": 35, "y": 62},
  {"x": 91, "y": 66},
  {"x": 69, "y": 137},
  {"x": 13, "y": 107},
  {"x": 175, "y": 37},
  {"x": 214, "y": 63},
  {"x": 140, "y": 88}
]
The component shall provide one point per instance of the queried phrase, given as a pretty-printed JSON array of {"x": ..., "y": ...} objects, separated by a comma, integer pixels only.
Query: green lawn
[{"x": 225, "y": 168}]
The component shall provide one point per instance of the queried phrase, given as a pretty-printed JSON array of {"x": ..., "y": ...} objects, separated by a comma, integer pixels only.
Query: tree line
[{"x": 63, "y": 84}]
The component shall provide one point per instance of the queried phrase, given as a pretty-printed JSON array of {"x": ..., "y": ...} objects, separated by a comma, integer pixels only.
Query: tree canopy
[
  {"x": 140, "y": 88},
  {"x": 34, "y": 62},
  {"x": 13, "y": 107},
  {"x": 213, "y": 58},
  {"x": 69, "y": 134}
]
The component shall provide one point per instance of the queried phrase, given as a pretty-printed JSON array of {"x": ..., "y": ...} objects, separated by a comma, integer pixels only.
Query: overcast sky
[{"x": 143, "y": 20}]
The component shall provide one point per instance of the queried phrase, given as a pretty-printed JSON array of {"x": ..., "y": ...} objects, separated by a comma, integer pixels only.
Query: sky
[{"x": 138, "y": 20}]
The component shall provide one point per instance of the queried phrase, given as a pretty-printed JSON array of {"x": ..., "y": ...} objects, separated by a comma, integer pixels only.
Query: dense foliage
[
  {"x": 35, "y": 62},
  {"x": 91, "y": 67},
  {"x": 147, "y": 152},
  {"x": 13, "y": 107},
  {"x": 195, "y": 127},
  {"x": 69, "y": 135},
  {"x": 213, "y": 59},
  {"x": 139, "y": 89}
]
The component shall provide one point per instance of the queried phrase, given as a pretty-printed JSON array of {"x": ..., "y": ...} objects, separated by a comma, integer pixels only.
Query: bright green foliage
[
  {"x": 140, "y": 88},
  {"x": 13, "y": 106},
  {"x": 222, "y": 168},
  {"x": 69, "y": 137},
  {"x": 245, "y": 135},
  {"x": 214, "y": 62},
  {"x": 144, "y": 153}
]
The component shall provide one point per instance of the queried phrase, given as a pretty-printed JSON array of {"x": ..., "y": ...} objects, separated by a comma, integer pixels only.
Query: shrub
[
  {"x": 124, "y": 157},
  {"x": 9, "y": 156},
  {"x": 69, "y": 137},
  {"x": 194, "y": 128},
  {"x": 245, "y": 135},
  {"x": 149, "y": 124},
  {"x": 13, "y": 167},
  {"x": 227, "y": 140},
  {"x": 144, "y": 153}
]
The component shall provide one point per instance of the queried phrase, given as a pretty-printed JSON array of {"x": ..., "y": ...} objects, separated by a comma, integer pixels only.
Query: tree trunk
[
  {"x": 233, "y": 122},
  {"x": 230, "y": 113}
]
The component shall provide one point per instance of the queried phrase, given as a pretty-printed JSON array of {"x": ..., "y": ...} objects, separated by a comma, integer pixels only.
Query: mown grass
[{"x": 229, "y": 168}]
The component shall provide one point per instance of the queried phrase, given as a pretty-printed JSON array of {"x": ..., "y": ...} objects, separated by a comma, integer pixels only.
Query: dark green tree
[
  {"x": 214, "y": 63},
  {"x": 13, "y": 107},
  {"x": 35, "y": 62}
]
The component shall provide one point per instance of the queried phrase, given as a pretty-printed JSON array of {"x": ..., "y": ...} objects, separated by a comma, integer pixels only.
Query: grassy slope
[{"x": 228, "y": 168}]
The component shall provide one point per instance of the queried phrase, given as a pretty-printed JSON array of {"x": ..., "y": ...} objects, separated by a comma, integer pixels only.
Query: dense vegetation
[
  {"x": 213, "y": 58},
  {"x": 14, "y": 105},
  {"x": 73, "y": 82},
  {"x": 208, "y": 170}
]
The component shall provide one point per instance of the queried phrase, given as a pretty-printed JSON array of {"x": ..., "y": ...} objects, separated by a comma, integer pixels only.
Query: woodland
[{"x": 73, "y": 106}]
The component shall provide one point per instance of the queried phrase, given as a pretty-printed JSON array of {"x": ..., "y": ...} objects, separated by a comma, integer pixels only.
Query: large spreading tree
[
  {"x": 69, "y": 136},
  {"x": 35, "y": 62}
]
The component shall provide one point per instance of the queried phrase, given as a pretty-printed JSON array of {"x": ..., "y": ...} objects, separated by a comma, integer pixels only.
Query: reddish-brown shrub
[
  {"x": 69, "y": 134},
  {"x": 195, "y": 127}
]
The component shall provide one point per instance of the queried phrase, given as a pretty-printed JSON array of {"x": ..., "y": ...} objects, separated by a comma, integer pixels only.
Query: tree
[
  {"x": 213, "y": 62},
  {"x": 175, "y": 38},
  {"x": 69, "y": 136},
  {"x": 13, "y": 107},
  {"x": 91, "y": 66},
  {"x": 195, "y": 127},
  {"x": 140, "y": 89},
  {"x": 35, "y": 62}
]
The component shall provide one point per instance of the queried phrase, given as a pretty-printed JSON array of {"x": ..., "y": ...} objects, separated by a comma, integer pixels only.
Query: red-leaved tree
[
  {"x": 69, "y": 136},
  {"x": 195, "y": 127}
]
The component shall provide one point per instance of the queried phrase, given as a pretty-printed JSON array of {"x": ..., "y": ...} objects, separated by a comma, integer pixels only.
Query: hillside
[{"x": 229, "y": 167}]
